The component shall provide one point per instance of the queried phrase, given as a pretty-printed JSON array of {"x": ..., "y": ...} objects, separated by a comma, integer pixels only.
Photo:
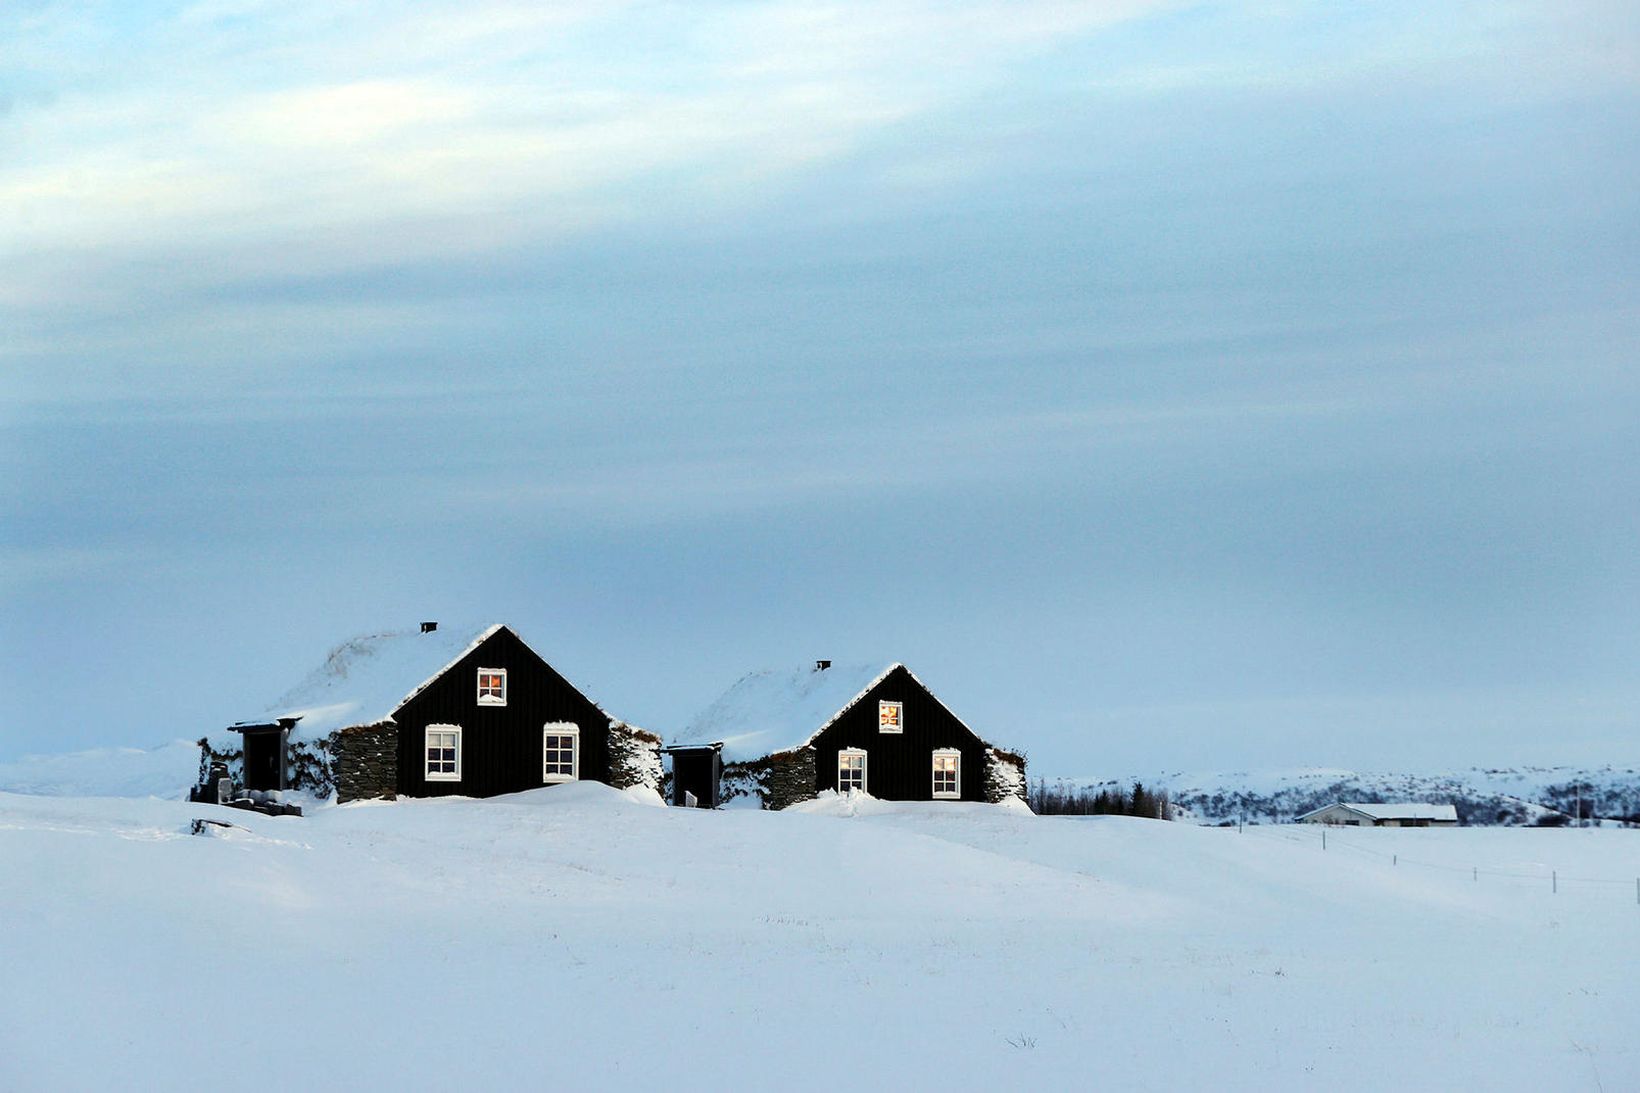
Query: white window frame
[
  {"x": 561, "y": 728},
  {"x": 899, "y": 719},
  {"x": 934, "y": 774},
  {"x": 429, "y": 774},
  {"x": 489, "y": 699},
  {"x": 865, "y": 769}
]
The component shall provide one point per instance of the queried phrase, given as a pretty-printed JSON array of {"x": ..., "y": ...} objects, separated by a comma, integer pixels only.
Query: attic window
[
  {"x": 560, "y": 751},
  {"x": 443, "y": 753},
  {"x": 891, "y": 716},
  {"x": 947, "y": 773},
  {"x": 492, "y": 686},
  {"x": 851, "y": 770}
]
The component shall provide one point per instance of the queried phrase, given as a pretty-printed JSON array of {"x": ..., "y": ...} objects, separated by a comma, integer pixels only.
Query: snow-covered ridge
[
  {"x": 165, "y": 771},
  {"x": 1482, "y": 795}
]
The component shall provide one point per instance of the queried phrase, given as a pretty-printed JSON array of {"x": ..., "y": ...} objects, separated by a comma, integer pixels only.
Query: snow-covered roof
[
  {"x": 1398, "y": 810},
  {"x": 771, "y": 710},
  {"x": 1411, "y": 810},
  {"x": 366, "y": 678}
]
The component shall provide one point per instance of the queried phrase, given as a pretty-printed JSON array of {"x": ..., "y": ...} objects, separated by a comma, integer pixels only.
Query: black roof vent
[
  {"x": 428, "y": 627},
  {"x": 821, "y": 665}
]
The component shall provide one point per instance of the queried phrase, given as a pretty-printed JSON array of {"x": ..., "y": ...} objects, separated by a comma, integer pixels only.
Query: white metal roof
[
  {"x": 772, "y": 710},
  {"x": 1395, "y": 810}
]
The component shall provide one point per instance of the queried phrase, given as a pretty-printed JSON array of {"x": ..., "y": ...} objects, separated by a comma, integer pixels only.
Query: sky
[{"x": 1181, "y": 386}]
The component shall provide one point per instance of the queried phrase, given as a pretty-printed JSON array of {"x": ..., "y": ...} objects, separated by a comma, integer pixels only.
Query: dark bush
[{"x": 1109, "y": 800}]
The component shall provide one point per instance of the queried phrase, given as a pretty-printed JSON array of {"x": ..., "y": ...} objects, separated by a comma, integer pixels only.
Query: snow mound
[
  {"x": 580, "y": 795},
  {"x": 165, "y": 771},
  {"x": 855, "y": 803},
  {"x": 828, "y": 802}
]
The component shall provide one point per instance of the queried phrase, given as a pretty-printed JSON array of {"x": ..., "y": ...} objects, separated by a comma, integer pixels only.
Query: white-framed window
[
  {"x": 443, "y": 754},
  {"x": 947, "y": 773},
  {"x": 492, "y": 686},
  {"x": 851, "y": 770},
  {"x": 560, "y": 752},
  {"x": 891, "y": 717}
]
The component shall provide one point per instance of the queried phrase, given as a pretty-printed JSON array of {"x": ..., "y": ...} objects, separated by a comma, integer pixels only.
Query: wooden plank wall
[{"x": 501, "y": 745}]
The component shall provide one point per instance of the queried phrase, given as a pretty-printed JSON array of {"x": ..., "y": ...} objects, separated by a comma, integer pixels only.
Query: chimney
[
  {"x": 428, "y": 627},
  {"x": 821, "y": 665}
]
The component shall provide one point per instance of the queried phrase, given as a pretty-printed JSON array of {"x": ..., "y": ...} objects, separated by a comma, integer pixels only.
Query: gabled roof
[
  {"x": 366, "y": 678},
  {"x": 1400, "y": 810},
  {"x": 773, "y": 711}
]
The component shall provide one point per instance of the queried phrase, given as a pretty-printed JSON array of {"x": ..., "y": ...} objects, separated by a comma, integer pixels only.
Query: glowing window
[
  {"x": 851, "y": 771},
  {"x": 947, "y": 773},
  {"x": 492, "y": 686}
]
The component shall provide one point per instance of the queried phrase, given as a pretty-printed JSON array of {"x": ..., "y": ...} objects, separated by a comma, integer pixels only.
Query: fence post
[
  {"x": 1477, "y": 876},
  {"x": 1323, "y": 838},
  {"x": 1554, "y": 880}
]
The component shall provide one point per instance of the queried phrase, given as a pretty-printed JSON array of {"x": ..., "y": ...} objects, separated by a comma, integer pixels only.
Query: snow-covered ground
[{"x": 580, "y": 937}]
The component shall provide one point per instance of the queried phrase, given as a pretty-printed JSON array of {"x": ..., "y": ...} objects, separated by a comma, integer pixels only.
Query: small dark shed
[
  {"x": 697, "y": 772},
  {"x": 265, "y": 748}
]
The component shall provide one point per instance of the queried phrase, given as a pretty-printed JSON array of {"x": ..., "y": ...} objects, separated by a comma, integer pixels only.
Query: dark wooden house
[
  {"x": 876, "y": 729},
  {"x": 436, "y": 712}
]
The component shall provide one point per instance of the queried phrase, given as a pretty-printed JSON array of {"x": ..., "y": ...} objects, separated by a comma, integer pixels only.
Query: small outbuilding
[
  {"x": 785, "y": 736},
  {"x": 697, "y": 774},
  {"x": 1391, "y": 814}
]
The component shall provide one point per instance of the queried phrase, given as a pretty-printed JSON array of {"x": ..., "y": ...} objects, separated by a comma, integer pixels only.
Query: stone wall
[
  {"x": 1004, "y": 776},
  {"x": 634, "y": 757},
  {"x": 364, "y": 761},
  {"x": 740, "y": 780},
  {"x": 790, "y": 778},
  {"x": 232, "y": 756},
  {"x": 778, "y": 780},
  {"x": 309, "y": 767}
]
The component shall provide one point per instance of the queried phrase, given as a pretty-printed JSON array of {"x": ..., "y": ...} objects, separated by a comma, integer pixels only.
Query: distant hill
[
  {"x": 165, "y": 771},
  {"x": 1483, "y": 795}
]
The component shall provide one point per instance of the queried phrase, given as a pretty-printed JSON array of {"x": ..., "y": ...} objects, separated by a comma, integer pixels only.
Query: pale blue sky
[{"x": 1170, "y": 385}]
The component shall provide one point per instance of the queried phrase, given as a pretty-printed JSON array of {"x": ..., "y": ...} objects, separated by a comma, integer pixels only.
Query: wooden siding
[
  {"x": 500, "y": 745},
  {"x": 900, "y": 766}
]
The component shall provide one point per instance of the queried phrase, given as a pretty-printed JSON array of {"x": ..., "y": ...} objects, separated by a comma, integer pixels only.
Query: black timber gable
[
  {"x": 900, "y": 766},
  {"x": 501, "y": 745}
]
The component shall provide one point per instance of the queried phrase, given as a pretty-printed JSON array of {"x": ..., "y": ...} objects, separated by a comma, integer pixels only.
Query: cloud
[{"x": 320, "y": 121}]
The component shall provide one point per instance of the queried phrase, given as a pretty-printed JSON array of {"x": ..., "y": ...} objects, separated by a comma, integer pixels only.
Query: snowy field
[{"x": 577, "y": 936}]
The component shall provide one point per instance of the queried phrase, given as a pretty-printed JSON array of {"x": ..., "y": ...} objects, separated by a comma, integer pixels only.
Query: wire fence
[{"x": 1327, "y": 839}]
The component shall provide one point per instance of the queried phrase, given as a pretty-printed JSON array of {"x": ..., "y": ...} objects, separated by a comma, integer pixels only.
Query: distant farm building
[
  {"x": 1399, "y": 814},
  {"x": 779, "y": 737}
]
